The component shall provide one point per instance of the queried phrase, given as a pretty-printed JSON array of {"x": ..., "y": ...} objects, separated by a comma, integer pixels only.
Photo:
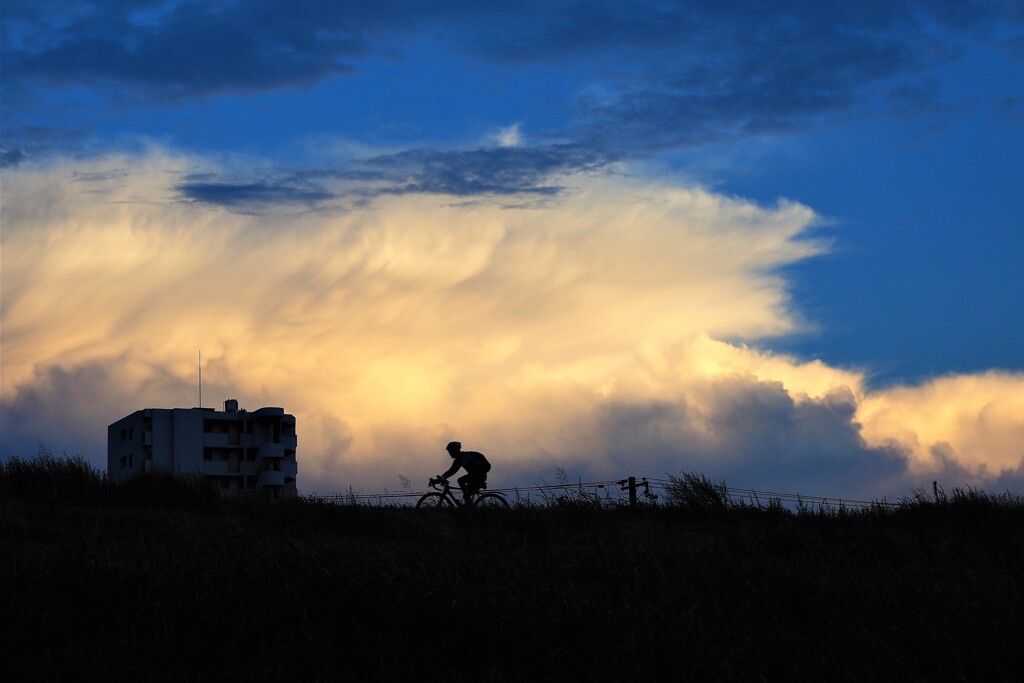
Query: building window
[
  {"x": 215, "y": 454},
  {"x": 215, "y": 427}
]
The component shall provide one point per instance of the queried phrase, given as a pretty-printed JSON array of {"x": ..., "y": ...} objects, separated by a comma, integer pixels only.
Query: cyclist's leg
[
  {"x": 469, "y": 485},
  {"x": 463, "y": 483}
]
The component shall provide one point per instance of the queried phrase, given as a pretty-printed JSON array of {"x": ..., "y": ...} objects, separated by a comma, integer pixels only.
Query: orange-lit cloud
[
  {"x": 973, "y": 421},
  {"x": 582, "y": 333}
]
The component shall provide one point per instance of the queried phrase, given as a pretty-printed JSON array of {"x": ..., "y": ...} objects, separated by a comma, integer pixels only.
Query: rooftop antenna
[{"x": 200, "y": 378}]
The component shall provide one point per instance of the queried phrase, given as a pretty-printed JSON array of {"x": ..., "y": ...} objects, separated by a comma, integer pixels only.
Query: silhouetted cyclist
[{"x": 476, "y": 467}]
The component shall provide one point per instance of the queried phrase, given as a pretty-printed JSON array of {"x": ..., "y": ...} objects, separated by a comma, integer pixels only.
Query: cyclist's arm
[{"x": 451, "y": 470}]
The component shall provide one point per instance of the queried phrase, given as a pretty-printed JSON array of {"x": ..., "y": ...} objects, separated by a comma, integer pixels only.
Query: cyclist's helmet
[{"x": 453, "y": 446}]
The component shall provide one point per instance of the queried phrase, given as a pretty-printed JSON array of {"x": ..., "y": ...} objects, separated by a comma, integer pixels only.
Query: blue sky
[{"x": 896, "y": 127}]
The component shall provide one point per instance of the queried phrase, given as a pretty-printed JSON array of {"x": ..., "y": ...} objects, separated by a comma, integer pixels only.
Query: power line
[{"x": 591, "y": 488}]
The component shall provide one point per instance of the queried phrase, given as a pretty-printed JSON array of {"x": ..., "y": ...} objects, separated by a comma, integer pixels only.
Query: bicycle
[{"x": 444, "y": 499}]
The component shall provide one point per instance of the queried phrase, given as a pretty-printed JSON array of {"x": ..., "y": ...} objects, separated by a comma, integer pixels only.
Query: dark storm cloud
[
  {"x": 486, "y": 171},
  {"x": 11, "y": 157},
  {"x": 492, "y": 170},
  {"x": 645, "y": 76},
  {"x": 754, "y": 434},
  {"x": 1010, "y": 480},
  {"x": 664, "y": 75},
  {"x": 765, "y": 71},
  {"x": 600, "y": 29},
  {"x": 747, "y": 64},
  {"x": 42, "y": 409},
  {"x": 251, "y": 195},
  {"x": 185, "y": 49}
]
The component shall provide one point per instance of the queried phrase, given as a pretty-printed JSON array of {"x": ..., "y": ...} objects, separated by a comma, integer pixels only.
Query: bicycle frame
[
  {"x": 447, "y": 494},
  {"x": 444, "y": 497}
]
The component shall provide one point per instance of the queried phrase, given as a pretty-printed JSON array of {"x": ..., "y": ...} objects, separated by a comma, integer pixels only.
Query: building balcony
[
  {"x": 271, "y": 450},
  {"x": 218, "y": 440},
  {"x": 222, "y": 468},
  {"x": 270, "y": 478},
  {"x": 147, "y": 438}
]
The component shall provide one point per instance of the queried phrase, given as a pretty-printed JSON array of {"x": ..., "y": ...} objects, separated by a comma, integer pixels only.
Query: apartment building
[{"x": 240, "y": 451}]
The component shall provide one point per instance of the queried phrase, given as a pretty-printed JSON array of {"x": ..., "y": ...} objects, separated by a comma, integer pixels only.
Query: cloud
[
  {"x": 251, "y": 195},
  {"x": 509, "y": 172},
  {"x": 184, "y": 49},
  {"x": 644, "y": 75},
  {"x": 585, "y": 333},
  {"x": 11, "y": 157},
  {"x": 724, "y": 73},
  {"x": 509, "y": 136},
  {"x": 506, "y": 169},
  {"x": 67, "y": 408},
  {"x": 978, "y": 420}
]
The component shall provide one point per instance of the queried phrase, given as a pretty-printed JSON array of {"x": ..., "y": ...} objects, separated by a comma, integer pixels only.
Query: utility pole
[{"x": 630, "y": 485}]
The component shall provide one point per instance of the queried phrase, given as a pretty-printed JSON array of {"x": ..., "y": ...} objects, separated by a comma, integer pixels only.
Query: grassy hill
[{"x": 161, "y": 580}]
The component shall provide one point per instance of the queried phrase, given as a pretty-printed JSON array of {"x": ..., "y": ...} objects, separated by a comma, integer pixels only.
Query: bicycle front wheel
[
  {"x": 435, "y": 501},
  {"x": 491, "y": 500}
]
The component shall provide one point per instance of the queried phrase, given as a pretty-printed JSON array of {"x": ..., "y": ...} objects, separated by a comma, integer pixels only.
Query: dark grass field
[{"x": 160, "y": 580}]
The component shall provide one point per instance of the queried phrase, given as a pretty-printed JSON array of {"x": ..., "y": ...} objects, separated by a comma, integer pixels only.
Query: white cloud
[
  {"x": 977, "y": 421},
  {"x": 509, "y": 136},
  {"x": 583, "y": 334}
]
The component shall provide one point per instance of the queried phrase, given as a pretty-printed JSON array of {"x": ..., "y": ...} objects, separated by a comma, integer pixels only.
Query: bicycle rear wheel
[
  {"x": 434, "y": 500},
  {"x": 491, "y": 500}
]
